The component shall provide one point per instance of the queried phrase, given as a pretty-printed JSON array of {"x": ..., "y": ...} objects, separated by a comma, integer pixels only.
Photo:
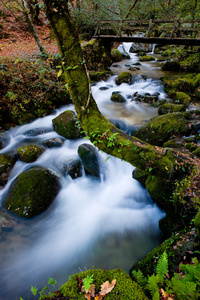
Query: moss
[
  {"x": 191, "y": 64},
  {"x": 116, "y": 97},
  {"x": 182, "y": 98},
  {"x": 160, "y": 129},
  {"x": 32, "y": 192},
  {"x": 6, "y": 163},
  {"x": 197, "y": 152},
  {"x": 125, "y": 77},
  {"x": 30, "y": 153},
  {"x": 197, "y": 81},
  {"x": 173, "y": 143},
  {"x": 191, "y": 146},
  {"x": 183, "y": 85},
  {"x": 65, "y": 125},
  {"x": 99, "y": 75},
  {"x": 166, "y": 53},
  {"x": 169, "y": 108},
  {"x": 146, "y": 58},
  {"x": 116, "y": 55},
  {"x": 125, "y": 288}
]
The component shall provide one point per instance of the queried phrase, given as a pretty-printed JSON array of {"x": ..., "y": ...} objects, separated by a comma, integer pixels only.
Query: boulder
[
  {"x": 88, "y": 155},
  {"x": 173, "y": 66},
  {"x": 170, "y": 108},
  {"x": 160, "y": 129},
  {"x": 53, "y": 142},
  {"x": 30, "y": 153},
  {"x": 138, "y": 47},
  {"x": 116, "y": 55},
  {"x": 6, "y": 164},
  {"x": 182, "y": 98},
  {"x": 125, "y": 77},
  {"x": 32, "y": 192},
  {"x": 146, "y": 58},
  {"x": 65, "y": 125},
  {"x": 117, "y": 97}
]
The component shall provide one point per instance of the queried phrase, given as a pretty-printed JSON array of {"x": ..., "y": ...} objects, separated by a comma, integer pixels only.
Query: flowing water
[{"x": 108, "y": 222}]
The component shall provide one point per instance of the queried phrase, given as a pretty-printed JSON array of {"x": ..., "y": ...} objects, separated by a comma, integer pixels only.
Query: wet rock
[
  {"x": 30, "y": 153},
  {"x": 125, "y": 55},
  {"x": 6, "y": 164},
  {"x": 4, "y": 139},
  {"x": 119, "y": 124},
  {"x": 73, "y": 168},
  {"x": 32, "y": 192},
  {"x": 89, "y": 158},
  {"x": 146, "y": 58},
  {"x": 147, "y": 98},
  {"x": 104, "y": 88},
  {"x": 116, "y": 55},
  {"x": 37, "y": 131},
  {"x": 65, "y": 125},
  {"x": 182, "y": 98},
  {"x": 54, "y": 142},
  {"x": 125, "y": 77},
  {"x": 134, "y": 68},
  {"x": 160, "y": 129},
  {"x": 138, "y": 47},
  {"x": 117, "y": 97}
]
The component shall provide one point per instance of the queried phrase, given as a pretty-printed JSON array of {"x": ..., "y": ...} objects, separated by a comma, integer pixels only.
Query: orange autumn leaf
[{"x": 107, "y": 287}]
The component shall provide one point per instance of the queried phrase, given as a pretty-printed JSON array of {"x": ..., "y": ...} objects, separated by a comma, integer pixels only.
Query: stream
[{"x": 107, "y": 223}]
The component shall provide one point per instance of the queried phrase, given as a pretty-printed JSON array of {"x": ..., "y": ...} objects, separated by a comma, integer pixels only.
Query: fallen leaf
[{"x": 107, "y": 287}]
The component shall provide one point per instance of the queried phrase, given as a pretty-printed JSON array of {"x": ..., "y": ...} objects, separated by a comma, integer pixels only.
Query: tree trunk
[
  {"x": 32, "y": 28},
  {"x": 160, "y": 167}
]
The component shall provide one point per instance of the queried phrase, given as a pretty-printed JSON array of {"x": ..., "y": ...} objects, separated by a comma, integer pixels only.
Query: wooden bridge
[{"x": 166, "y": 32}]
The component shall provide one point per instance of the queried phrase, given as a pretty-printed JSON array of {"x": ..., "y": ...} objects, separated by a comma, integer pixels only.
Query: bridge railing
[{"x": 152, "y": 28}]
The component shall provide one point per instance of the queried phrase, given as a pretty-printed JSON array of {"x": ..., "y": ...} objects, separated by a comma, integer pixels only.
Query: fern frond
[
  {"x": 139, "y": 276},
  {"x": 152, "y": 286},
  {"x": 162, "y": 267}
]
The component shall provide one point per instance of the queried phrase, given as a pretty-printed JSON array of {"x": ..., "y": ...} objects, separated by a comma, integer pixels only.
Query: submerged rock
[
  {"x": 65, "y": 125},
  {"x": 54, "y": 142},
  {"x": 88, "y": 155},
  {"x": 30, "y": 153},
  {"x": 4, "y": 139},
  {"x": 32, "y": 192}
]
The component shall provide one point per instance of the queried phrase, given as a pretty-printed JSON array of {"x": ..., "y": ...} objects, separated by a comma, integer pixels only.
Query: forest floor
[{"x": 17, "y": 41}]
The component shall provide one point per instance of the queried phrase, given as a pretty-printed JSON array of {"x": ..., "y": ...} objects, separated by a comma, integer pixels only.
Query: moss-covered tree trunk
[{"x": 159, "y": 167}]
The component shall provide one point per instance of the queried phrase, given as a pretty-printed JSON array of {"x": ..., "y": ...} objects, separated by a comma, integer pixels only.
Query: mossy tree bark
[{"x": 160, "y": 166}]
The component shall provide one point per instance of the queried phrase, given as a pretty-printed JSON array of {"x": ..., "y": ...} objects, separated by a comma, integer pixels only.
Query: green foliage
[
  {"x": 152, "y": 286},
  {"x": 29, "y": 88},
  {"x": 162, "y": 267},
  {"x": 139, "y": 276},
  {"x": 44, "y": 290},
  {"x": 87, "y": 282}
]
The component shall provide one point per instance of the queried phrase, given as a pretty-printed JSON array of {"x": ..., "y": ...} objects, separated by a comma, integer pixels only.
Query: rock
[
  {"x": 37, "y": 131},
  {"x": 147, "y": 98},
  {"x": 104, "y": 88},
  {"x": 173, "y": 66},
  {"x": 125, "y": 77},
  {"x": 54, "y": 142},
  {"x": 125, "y": 55},
  {"x": 32, "y": 192},
  {"x": 134, "y": 68},
  {"x": 119, "y": 124},
  {"x": 182, "y": 98},
  {"x": 138, "y": 47},
  {"x": 73, "y": 168},
  {"x": 88, "y": 155},
  {"x": 160, "y": 129},
  {"x": 30, "y": 153},
  {"x": 166, "y": 53},
  {"x": 117, "y": 97},
  {"x": 174, "y": 143},
  {"x": 65, "y": 125},
  {"x": 6, "y": 164},
  {"x": 170, "y": 108},
  {"x": 116, "y": 55},
  {"x": 146, "y": 58},
  {"x": 4, "y": 139}
]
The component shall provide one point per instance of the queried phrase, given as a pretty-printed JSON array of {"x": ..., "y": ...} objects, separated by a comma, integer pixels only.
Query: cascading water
[{"x": 108, "y": 222}]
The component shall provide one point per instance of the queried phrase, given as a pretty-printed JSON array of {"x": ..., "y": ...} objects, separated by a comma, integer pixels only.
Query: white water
[{"x": 109, "y": 223}]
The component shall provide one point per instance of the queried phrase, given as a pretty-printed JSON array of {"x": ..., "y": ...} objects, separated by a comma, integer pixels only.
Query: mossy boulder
[
  {"x": 116, "y": 55},
  {"x": 124, "y": 289},
  {"x": 182, "y": 98},
  {"x": 166, "y": 53},
  {"x": 197, "y": 81},
  {"x": 172, "y": 66},
  {"x": 174, "y": 143},
  {"x": 170, "y": 108},
  {"x": 6, "y": 164},
  {"x": 88, "y": 155},
  {"x": 65, "y": 125},
  {"x": 160, "y": 129},
  {"x": 30, "y": 153},
  {"x": 117, "y": 97},
  {"x": 197, "y": 223},
  {"x": 32, "y": 192},
  {"x": 191, "y": 64},
  {"x": 183, "y": 85},
  {"x": 125, "y": 77},
  {"x": 146, "y": 58},
  {"x": 96, "y": 76}
]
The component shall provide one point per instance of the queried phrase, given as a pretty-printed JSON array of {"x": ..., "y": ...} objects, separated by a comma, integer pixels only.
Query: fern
[
  {"x": 192, "y": 273},
  {"x": 139, "y": 276},
  {"x": 183, "y": 290},
  {"x": 162, "y": 267},
  {"x": 152, "y": 286}
]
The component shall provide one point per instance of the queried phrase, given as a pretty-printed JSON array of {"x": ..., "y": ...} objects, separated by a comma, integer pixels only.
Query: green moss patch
[
  {"x": 146, "y": 58},
  {"x": 30, "y": 153}
]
